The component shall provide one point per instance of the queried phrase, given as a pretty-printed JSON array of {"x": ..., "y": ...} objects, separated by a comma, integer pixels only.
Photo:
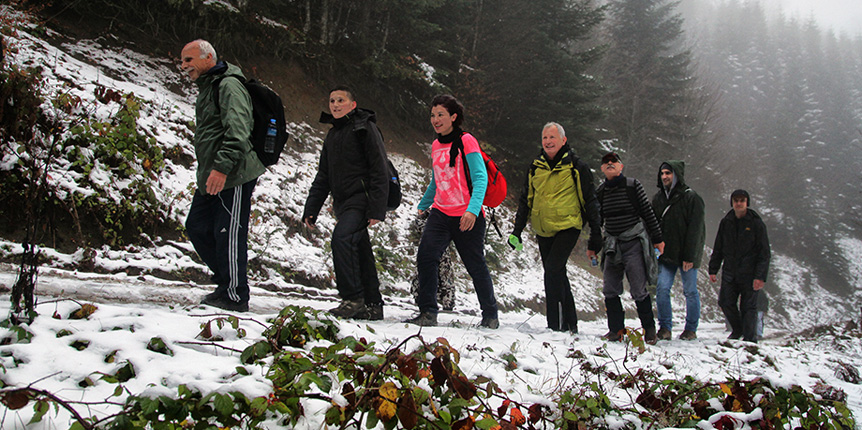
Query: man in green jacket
[
  {"x": 681, "y": 213},
  {"x": 227, "y": 172},
  {"x": 558, "y": 197}
]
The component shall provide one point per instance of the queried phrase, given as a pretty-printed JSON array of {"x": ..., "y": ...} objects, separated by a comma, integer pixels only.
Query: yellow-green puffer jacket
[{"x": 554, "y": 196}]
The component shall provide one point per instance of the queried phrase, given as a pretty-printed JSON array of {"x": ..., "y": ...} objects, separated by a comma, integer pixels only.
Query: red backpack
[{"x": 495, "y": 193}]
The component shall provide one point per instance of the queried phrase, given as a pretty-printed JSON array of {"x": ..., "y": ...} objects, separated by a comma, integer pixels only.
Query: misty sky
[{"x": 844, "y": 16}]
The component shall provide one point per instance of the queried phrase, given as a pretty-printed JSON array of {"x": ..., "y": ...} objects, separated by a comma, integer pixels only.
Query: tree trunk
[
  {"x": 385, "y": 31},
  {"x": 306, "y": 26},
  {"x": 324, "y": 22},
  {"x": 476, "y": 27}
]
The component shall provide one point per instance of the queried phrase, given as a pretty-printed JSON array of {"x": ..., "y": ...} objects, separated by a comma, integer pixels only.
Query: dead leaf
[
  {"x": 465, "y": 389},
  {"x": 386, "y": 406},
  {"x": 349, "y": 393},
  {"x": 16, "y": 399},
  {"x": 439, "y": 373},
  {"x": 535, "y": 412},
  {"x": 517, "y": 417},
  {"x": 407, "y": 366},
  {"x": 464, "y": 424},
  {"x": 207, "y": 332},
  {"x": 407, "y": 410},
  {"x": 84, "y": 312}
]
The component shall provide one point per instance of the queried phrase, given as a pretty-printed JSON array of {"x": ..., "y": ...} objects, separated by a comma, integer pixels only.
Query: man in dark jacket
[
  {"x": 742, "y": 253},
  {"x": 353, "y": 169},
  {"x": 227, "y": 172},
  {"x": 680, "y": 211},
  {"x": 558, "y": 197},
  {"x": 631, "y": 233}
]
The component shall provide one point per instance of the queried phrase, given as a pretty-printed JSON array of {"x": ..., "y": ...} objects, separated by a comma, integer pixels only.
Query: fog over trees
[{"x": 791, "y": 124}]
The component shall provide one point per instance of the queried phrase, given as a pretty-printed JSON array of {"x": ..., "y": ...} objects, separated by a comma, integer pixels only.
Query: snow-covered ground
[{"x": 132, "y": 309}]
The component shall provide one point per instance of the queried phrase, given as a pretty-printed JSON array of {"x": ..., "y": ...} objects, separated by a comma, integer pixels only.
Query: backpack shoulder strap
[
  {"x": 632, "y": 191},
  {"x": 217, "y": 89},
  {"x": 458, "y": 146},
  {"x": 576, "y": 180}
]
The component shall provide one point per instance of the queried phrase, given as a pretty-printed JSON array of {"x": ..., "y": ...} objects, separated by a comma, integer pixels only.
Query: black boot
[
  {"x": 647, "y": 321},
  {"x": 616, "y": 318}
]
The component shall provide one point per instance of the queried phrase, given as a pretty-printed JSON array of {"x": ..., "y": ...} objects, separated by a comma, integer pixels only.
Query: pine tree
[
  {"x": 526, "y": 67},
  {"x": 652, "y": 90}
]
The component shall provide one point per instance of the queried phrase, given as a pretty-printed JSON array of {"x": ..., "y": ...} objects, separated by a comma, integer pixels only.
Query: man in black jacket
[
  {"x": 353, "y": 169},
  {"x": 742, "y": 253},
  {"x": 680, "y": 210}
]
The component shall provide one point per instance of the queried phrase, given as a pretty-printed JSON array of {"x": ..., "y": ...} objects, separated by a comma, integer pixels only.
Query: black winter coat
[
  {"x": 352, "y": 167},
  {"x": 741, "y": 249},
  {"x": 682, "y": 219}
]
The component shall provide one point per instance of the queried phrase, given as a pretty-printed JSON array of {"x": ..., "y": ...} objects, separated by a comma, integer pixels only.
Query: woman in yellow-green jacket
[{"x": 558, "y": 197}]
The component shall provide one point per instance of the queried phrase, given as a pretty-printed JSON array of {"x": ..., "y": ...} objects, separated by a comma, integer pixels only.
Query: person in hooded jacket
[
  {"x": 742, "y": 253},
  {"x": 558, "y": 197},
  {"x": 681, "y": 213},
  {"x": 353, "y": 169},
  {"x": 227, "y": 172}
]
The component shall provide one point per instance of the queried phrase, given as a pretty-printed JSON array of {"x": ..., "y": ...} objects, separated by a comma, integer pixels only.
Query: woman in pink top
[{"x": 455, "y": 194}]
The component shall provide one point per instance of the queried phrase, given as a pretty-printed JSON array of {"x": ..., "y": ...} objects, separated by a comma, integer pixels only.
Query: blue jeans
[
  {"x": 440, "y": 230},
  {"x": 666, "y": 274}
]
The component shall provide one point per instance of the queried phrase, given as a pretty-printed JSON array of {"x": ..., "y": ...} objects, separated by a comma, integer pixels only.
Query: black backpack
[
  {"x": 266, "y": 107},
  {"x": 393, "y": 199}
]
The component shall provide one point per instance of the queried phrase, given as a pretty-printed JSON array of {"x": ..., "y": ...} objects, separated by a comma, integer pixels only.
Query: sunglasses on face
[{"x": 610, "y": 159}]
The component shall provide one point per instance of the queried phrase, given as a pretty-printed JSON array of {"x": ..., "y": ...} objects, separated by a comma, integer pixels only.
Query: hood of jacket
[
  {"x": 360, "y": 117},
  {"x": 678, "y": 169},
  {"x": 221, "y": 69}
]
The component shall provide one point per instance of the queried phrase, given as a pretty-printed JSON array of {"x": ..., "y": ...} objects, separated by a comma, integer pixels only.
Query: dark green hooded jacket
[
  {"x": 222, "y": 135},
  {"x": 681, "y": 215}
]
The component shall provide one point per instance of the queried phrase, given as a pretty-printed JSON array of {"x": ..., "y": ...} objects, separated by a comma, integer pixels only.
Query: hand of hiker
[
  {"x": 215, "y": 182},
  {"x": 467, "y": 221}
]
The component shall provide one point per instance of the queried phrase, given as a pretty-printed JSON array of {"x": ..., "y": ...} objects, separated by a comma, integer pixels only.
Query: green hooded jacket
[
  {"x": 681, "y": 215},
  {"x": 222, "y": 135}
]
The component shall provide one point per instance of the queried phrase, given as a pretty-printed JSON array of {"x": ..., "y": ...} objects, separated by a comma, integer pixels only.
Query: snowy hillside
[
  {"x": 143, "y": 292},
  {"x": 283, "y": 255}
]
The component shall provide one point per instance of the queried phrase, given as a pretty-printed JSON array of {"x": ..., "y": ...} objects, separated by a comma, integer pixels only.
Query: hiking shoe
[
  {"x": 349, "y": 308},
  {"x": 613, "y": 336},
  {"x": 424, "y": 319},
  {"x": 210, "y": 296},
  {"x": 649, "y": 336},
  {"x": 224, "y": 303},
  {"x": 372, "y": 312},
  {"x": 688, "y": 335},
  {"x": 492, "y": 323},
  {"x": 734, "y": 336},
  {"x": 665, "y": 334}
]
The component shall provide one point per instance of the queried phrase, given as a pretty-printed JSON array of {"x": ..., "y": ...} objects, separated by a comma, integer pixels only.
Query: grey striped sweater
[{"x": 618, "y": 213}]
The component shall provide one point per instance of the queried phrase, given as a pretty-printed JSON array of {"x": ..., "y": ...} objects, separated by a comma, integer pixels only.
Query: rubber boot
[
  {"x": 647, "y": 321},
  {"x": 616, "y": 318}
]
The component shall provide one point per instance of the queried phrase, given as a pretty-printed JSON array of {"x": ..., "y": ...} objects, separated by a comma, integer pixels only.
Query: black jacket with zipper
[
  {"x": 352, "y": 167},
  {"x": 741, "y": 248}
]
